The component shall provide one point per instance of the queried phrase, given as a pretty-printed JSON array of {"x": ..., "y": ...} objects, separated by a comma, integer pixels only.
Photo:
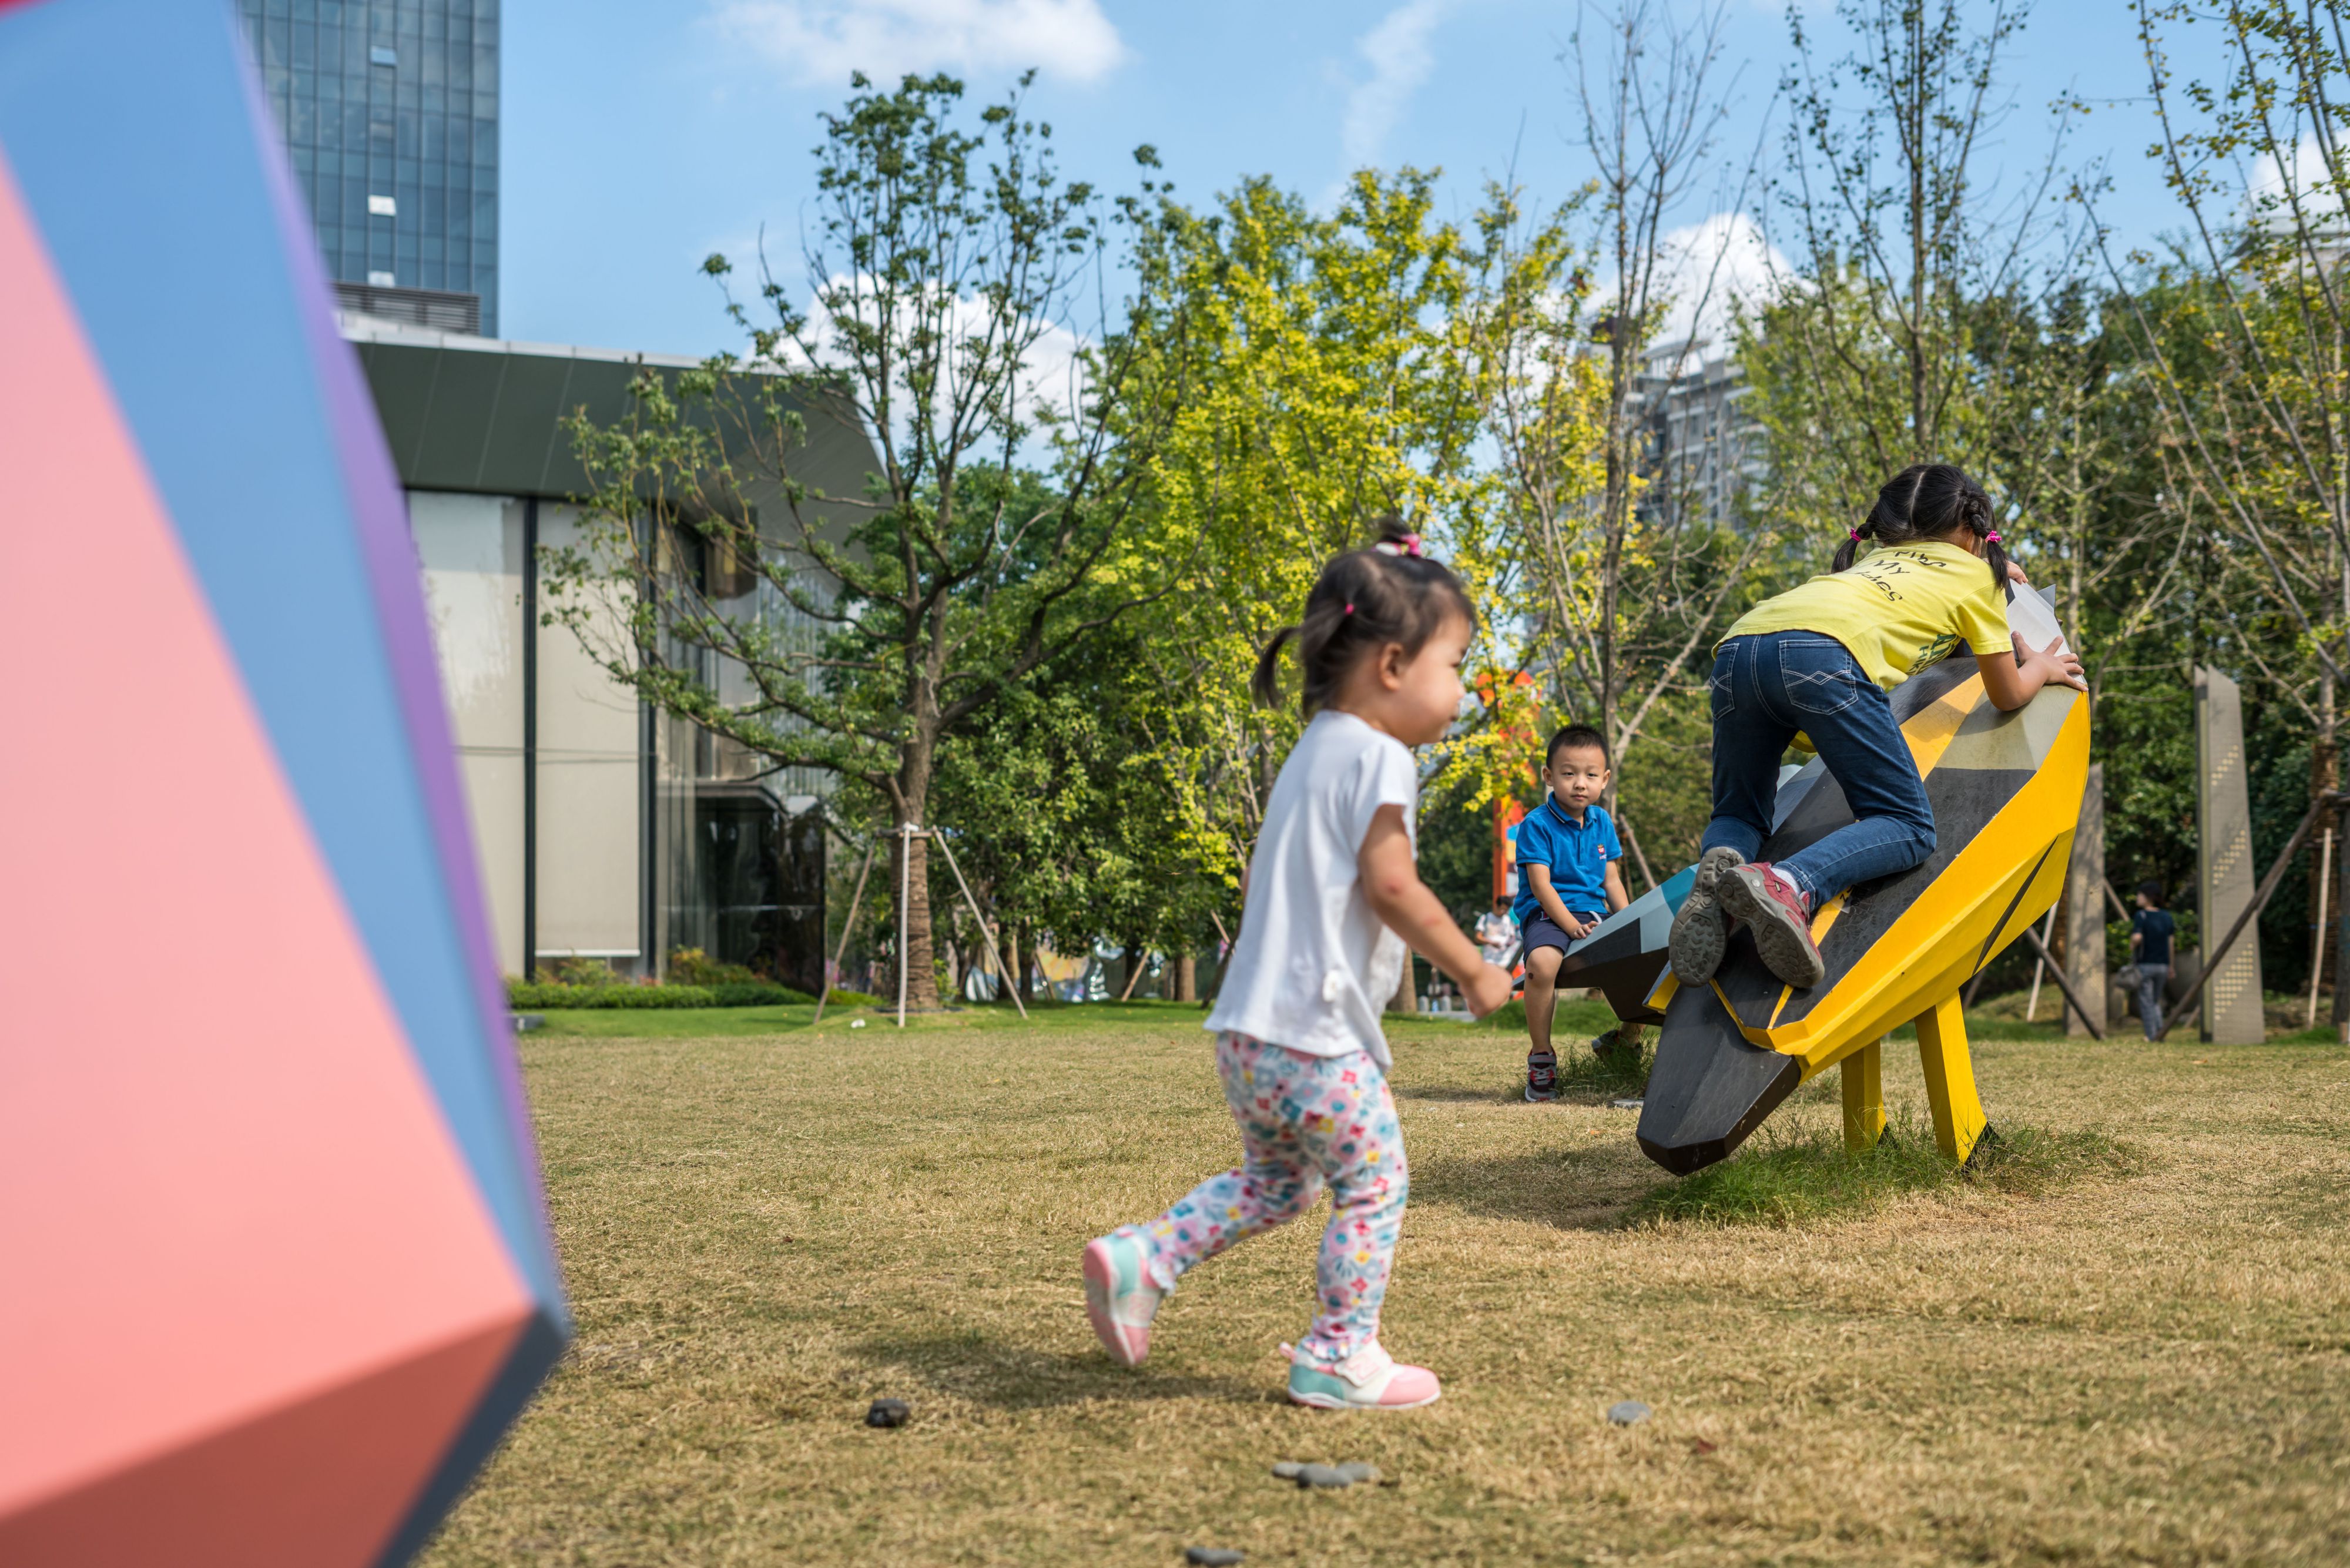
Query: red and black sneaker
[
  {"x": 1761, "y": 896},
  {"x": 1541, "y": 1075}
]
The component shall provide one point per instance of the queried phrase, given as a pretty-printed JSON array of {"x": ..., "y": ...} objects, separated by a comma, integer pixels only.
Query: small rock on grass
[
  {"x": 887, "y": 1413},
  {"x": 1630, "y": 1412},
  {"x": 1354, "y": 1472},
  {"x": 1214, "y": 1556}
]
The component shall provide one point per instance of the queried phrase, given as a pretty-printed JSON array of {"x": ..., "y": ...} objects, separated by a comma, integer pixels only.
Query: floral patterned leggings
[{"x": 1304, "y": 1121}]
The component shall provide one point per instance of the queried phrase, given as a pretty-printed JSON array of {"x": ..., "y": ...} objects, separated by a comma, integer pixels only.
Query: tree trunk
[
  {"x": 1020, "y": 956},
  {"x": 2341, "y": 921},
  {"x": 1187, "y": 977},
  {"x": 1407, "y": 995},
  {"x": 909, "y": 869},
  {"x": 1129, "y": 981}
]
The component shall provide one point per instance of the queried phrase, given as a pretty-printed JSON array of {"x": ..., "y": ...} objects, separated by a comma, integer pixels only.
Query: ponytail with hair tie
[
  {"x": 1362, "y": 601},
  {"x": 1930, "y": 501}
]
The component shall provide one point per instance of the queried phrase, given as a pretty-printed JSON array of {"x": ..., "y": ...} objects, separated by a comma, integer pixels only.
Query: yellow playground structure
[{"x": 2006, "y": 791}]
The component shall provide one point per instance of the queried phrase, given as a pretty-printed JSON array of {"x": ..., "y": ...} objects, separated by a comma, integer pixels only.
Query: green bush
[
  {"x": 576, "y": 971},
  {"x": 837, "y": 997},
  {"x": 692, "y": 966},
  {"x": 525, "y": 996}
]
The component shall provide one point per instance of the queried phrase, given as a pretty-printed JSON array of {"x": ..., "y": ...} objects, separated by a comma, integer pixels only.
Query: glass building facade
[
  {"x": 390, "y": 111},
  {"x": 605, "y": 829}
]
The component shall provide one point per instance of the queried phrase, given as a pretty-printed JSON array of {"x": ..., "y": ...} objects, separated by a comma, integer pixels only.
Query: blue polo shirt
[{"x": 1577, "y": 854}]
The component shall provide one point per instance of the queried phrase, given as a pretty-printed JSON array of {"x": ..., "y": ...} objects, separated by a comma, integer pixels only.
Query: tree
[
  {"x": 1624, "y": 578},
  {"x": 2253, "y": 408},
  {"x": 1330, "y": 382},
  {"x": 943, "y": 269},
  {"x": 1871, "y": 359}
]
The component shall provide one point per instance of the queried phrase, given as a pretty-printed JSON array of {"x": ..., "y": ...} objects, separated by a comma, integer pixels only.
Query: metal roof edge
[{"x": 357, "y": 328}]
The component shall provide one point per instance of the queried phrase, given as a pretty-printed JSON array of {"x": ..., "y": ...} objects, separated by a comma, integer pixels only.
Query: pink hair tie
[
  {"x": 1350, "y": 610},
  {"x": 1404, "y": 544},
  {"x": 1856, "y": 536},
  {"x": 1993, "y": 537}
]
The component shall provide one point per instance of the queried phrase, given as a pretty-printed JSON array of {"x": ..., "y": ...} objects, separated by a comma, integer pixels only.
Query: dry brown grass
[{"x": 763, "y": 1234}]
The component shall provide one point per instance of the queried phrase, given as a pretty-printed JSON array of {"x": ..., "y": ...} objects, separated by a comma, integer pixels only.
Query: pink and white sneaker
[
  {"x": 1120, "y": 1300},
  {"x": 1764, "y": 897},
  {"x": 1371, "y": 1379}
]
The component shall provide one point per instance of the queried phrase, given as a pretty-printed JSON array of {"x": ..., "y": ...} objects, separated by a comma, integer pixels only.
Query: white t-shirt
[
  {"x": 1496, "y": 931},
  {"x": 1313, "y": 966}
]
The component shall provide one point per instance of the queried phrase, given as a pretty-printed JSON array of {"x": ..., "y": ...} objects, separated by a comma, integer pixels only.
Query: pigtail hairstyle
[
  {"x": 1363, "y": 600},
  {"x": 1929, "y": 500}
]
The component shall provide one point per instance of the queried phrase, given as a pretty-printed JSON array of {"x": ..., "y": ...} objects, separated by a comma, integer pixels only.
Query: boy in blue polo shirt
[{"x": 1567, "y": 881}]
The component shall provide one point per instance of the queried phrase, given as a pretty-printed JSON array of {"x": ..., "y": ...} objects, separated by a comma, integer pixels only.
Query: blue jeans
[
  {"x": 1767, "y": 687},
  {"x": 2151, "y": 978}
]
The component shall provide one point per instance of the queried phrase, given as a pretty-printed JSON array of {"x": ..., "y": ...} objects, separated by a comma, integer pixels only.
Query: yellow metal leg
[
  {"x": 1950, "y": 1079},
  {"x": 1864, "y": 1097}
]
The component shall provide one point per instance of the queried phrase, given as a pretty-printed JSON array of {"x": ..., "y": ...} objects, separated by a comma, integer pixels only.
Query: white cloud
[
  {"x": 1052, "y": 372},
  {"x": 1707, "y": 268},
  {"x": 1400, "y": 56},
  {"x": 2278, "y": 181},
  {"x": 819, "y": 42}
]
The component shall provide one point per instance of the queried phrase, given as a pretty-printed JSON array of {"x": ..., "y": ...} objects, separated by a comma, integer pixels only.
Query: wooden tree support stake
[
  {"x": 824, "y": 984},
  {"x": 2062, "y": 984},
  {"x": 985, "y": 935}
]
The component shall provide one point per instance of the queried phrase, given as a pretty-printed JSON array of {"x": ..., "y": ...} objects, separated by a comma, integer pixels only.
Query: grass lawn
[{"x": 765, "y": 1228}]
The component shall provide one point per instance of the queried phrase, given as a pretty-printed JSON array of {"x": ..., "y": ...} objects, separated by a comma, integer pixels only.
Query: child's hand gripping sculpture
[
  {"x": 1299, "y": 1043},
  {"x": 1820, "y": 659}
]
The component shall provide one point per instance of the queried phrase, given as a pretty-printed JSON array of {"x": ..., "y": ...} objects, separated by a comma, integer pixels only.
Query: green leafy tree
[
  {"x": 1331, "y": 380},
  {"x": 945, "y": 266}
]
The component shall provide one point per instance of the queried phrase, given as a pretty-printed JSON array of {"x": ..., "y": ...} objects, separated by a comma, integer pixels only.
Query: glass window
[
  {"x": 588, "y": 766},
  {"x": 470, "y": 547}
]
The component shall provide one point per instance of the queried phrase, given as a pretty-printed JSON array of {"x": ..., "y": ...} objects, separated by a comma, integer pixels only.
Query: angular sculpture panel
[
  {"x": 279, "y": 1268},
  {"x": 2006, "y": 791}
]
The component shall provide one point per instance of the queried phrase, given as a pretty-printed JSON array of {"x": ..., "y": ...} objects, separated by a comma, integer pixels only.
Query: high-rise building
[
  {"x": 389, "y": 112},
  {"x": 1704, "y": 450}
]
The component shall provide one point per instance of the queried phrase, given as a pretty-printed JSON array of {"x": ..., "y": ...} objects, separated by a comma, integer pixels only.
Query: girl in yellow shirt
[{"x": 1819, "y": 660}]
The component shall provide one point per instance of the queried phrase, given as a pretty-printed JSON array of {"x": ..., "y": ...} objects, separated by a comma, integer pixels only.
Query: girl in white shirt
[{"x": 1333, "y": 898}]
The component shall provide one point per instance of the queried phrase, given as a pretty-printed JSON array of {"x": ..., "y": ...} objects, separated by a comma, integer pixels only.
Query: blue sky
[{"x": 641, "y": 136}]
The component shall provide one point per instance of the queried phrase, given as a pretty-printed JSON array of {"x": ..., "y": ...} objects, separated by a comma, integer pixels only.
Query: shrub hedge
[{"x": 525, "y": 996}]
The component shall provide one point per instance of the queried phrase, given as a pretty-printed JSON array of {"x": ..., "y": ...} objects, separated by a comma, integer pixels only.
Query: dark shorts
[{"x": 1541, "y": 931}]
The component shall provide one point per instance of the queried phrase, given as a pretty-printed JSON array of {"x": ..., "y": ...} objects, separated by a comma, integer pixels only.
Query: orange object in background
[{"x": 1508, "y": 814}]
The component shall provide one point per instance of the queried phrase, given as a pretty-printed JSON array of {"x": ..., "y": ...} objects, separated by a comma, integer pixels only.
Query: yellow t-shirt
[{"x": 1898, "y": 610}]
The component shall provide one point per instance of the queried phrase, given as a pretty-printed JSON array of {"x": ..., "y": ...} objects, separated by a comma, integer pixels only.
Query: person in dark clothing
[{"x": 2150, "y": 929}]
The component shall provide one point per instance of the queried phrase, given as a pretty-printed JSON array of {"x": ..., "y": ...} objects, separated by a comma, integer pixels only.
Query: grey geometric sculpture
[
  {"x": 2223, "y": 820},
  {"x": 2084, "y": 904}
]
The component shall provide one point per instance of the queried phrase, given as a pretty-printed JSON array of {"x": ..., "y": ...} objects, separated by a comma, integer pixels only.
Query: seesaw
[{"x": 2006, "y": 791}]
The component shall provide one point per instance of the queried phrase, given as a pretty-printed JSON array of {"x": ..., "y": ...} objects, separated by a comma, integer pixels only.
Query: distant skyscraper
[{"x": 389, "y": 110}]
